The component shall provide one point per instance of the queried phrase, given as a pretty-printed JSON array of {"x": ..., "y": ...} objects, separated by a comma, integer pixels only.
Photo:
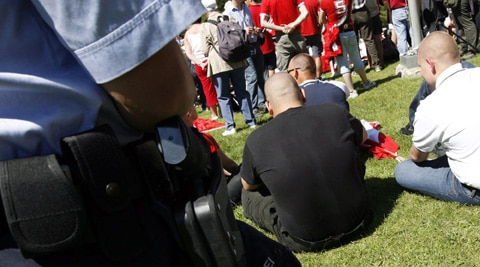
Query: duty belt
[{"x": 48, "y": 211}]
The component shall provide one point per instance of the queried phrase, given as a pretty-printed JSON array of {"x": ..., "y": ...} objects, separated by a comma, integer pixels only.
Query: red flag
[{"x": 378, "y": 144}]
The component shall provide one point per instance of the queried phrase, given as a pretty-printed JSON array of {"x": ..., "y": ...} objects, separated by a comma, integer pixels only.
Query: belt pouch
[
  {"x": 107, "y": 181},
  {"x": 43, "y": 209}
]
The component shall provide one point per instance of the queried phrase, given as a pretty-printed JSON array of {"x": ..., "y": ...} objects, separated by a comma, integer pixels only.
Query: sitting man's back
[{"x": 306, "y": 158}]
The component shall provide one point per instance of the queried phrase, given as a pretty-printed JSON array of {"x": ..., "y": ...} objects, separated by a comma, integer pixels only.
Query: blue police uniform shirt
[{"x": 53, "y": 55}]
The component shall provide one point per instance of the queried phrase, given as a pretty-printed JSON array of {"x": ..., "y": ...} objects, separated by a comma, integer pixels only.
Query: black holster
[{"x": 48, "y": 211}]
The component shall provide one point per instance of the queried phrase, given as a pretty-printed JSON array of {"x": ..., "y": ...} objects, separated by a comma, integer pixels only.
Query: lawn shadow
[{"x": 383, "y": 194}]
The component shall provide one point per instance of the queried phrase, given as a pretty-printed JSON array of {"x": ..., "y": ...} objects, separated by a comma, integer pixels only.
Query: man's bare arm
[
  {"x": 249, "y": 187},
  {"x": 417, "y": 155}
]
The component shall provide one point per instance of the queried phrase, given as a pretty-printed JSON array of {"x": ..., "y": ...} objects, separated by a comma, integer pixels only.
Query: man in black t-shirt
[{"x": 300, "y": 171}]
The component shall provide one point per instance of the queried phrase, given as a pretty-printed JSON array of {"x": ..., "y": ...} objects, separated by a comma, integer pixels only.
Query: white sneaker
[
  {"x": 353, "y": 94},
  {"x": 253, "y": 126},
  {"x": 229, "y": 132},
  {"x": 214, "y": 117},
  {"x": 369, "y": 85}
]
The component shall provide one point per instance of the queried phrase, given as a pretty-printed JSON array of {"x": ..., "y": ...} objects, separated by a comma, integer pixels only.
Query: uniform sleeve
[{"x": 109, "y": 38}]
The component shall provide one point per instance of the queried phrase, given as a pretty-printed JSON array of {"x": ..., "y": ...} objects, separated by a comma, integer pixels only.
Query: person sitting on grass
[
  {"x": 446, "y": 123},
  {"x": 422, "y": 93},
  {"x": 230, "y": 168},
  {"x": 302, "y": 68},
  {"x": 302, "y": 178}
]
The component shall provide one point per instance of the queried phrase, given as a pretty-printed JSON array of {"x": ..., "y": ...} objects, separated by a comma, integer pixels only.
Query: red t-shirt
[
  {"x": 282, "y": 12},
  {"x": 336, "y": 10},
  {"x": 394, "y": 4},
  {"x": 267, "y": 46},
  {"x": 310, "y": 24}
]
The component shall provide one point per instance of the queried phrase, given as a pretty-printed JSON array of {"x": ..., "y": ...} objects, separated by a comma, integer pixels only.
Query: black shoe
[{"x": 407, "y": 130}]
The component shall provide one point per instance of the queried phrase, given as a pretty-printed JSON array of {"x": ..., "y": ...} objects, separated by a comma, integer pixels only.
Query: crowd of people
[
  {"x": 277, "y": 31},
  {"x": 100, "y": 164},
  {"x": 302, "y": 31}
]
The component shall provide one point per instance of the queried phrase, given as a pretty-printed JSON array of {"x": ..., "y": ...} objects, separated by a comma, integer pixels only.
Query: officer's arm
[{"x": 159, "y": 88}]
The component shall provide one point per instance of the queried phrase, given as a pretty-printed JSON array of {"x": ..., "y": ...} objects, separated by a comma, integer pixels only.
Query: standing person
[
  {"x": 401, "y": 24},
  {"x": 238, "y": 12},
  {"x": 463, "y": 16},
  {"x": 312, "y": 32},
  {"x": 315, "y": 91},
  {"x": 71, "y": 80},
  {"x": 318, "y": 196},
  {"x": 285, "y": 18},
  {"x": 450, "y": 133},
  {"x": 194, "y": 52},
  {"x": 336, "y": 16},
  {"x": 268, "y": 46},
  {"x": 377, "y": 31},
  {"x": 223, "y": 73},
  {"x": 364, "y": 29}
]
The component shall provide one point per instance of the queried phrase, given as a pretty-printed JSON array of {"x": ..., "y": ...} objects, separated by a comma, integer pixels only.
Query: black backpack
[{"x": 233, "y": 45}]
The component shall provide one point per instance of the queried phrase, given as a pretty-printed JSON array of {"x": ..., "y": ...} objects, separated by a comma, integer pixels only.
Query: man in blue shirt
[{"x": 302, "y": 69}]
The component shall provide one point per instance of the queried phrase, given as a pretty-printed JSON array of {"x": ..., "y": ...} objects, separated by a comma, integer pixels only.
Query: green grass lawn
[{"x": 408, "y": 229}]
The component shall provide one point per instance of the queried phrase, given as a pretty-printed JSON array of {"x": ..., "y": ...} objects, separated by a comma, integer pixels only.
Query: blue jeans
[
  {"x": 435, "y": 178},
  {"x": 222, "y": 85},
  {"x": 254, "y": 76},
  {"x": 401, "y": 24},
  {"x": 422, "y": 93},
  {"x": 349, "y": 47}
]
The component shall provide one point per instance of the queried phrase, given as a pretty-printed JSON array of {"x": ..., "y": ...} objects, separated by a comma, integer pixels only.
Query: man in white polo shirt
[{"x": 446, "y": 123}]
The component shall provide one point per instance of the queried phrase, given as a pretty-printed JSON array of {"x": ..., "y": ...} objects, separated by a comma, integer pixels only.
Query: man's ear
[
  {"x": 295, "y": 73},
  {"x": 432, "y": 66},
  {"x": 269, "y": 107}
]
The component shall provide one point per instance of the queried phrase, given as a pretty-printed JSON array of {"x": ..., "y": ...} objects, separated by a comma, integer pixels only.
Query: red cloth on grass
[
  {"x": 207, "y": 125},
  {"x": 386, "y": 147}
]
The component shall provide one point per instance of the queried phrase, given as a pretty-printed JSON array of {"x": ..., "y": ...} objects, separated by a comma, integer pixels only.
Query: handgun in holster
[{"x": 57, "y": 203}]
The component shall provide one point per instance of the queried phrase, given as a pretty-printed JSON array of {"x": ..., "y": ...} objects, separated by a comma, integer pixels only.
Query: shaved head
[
  {"x": 303, "y": 62},
  {"x": 439, "y": 46},
  {"x": 282, "y": 92},
  {"x": 436, "y": 52}
]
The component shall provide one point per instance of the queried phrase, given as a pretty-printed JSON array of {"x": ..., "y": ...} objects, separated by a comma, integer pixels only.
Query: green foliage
[
  {"x": 407, "y": 229},
  {"x": 221, "y": 4}
]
